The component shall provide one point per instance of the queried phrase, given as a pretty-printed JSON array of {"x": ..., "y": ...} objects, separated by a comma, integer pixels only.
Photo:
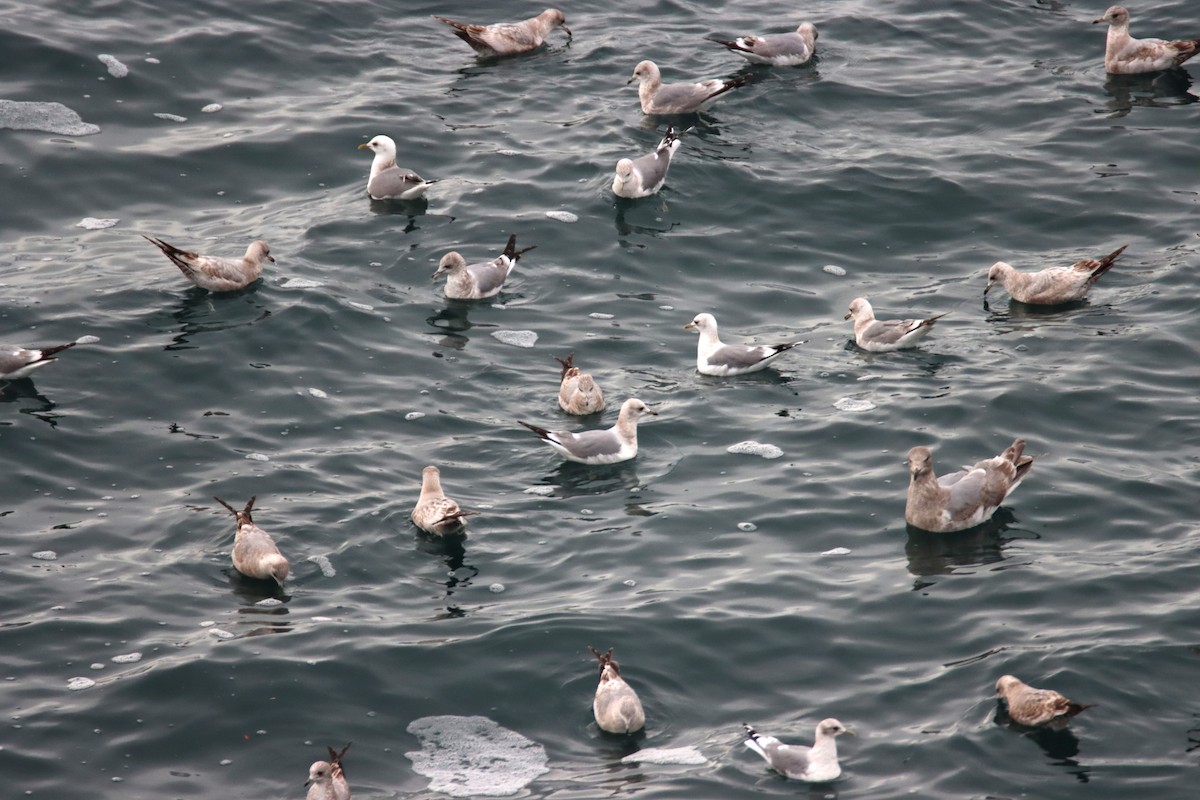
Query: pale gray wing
[
  {"x": 966, "y": 491},
  {"x": 888, "y": 331},
  {"x": 393, "y": 182},
  {"x": 489, "y": 276},
  {"x": 651, "y": 169},
  {"x": 790, "y": 46},
  {"x": 680, "y": 98},
  {"x": 788, "y": 758},
  {"x": 592, "y": 444},
  {"x": 740, "y": 356},
  {"x": 12, "y": 358}
]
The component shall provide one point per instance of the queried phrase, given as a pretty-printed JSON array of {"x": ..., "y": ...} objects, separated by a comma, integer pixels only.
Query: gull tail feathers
[
  {"x": 176, "y": 255},
  {"x": 511, "y": 251},
  {"x": 541, "y": 432},
  {"x": 568, "y": 364}
]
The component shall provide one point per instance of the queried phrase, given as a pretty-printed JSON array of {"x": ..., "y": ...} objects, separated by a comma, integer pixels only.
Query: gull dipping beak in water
[
  {"x": 617, "y": 708},
  {"x": 255, "y": 554}
]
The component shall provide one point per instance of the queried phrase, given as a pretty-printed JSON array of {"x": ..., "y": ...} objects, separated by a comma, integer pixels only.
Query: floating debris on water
[
  {"x": 301, "y": 283},
  {"x": 171, "y": 117},
  {"x": 88, "y": 339},
  {"x": 853, "y": 404},
  {"x": 45, "y": 555},
  {"x": 269, "y": 602},
  {"x": 212, "y": 108},
  {"x": 666, "y": 755},
  {"x": 543, "y": 491},
  {"x": 317, "y": 393},
  {"x": 21, "y": 115},
  {"x": 115, "y": 67},
  {"x": 258, "y": 457},
  {"x": 753, "y": 448},
  {"x": 517, "y": 338},
  {"x": 95, "y": 223},
  {"x": 496, "y": 588},
  {"x": 747, "y": 526},
  {"x": 474, "y": 756},
  {"x": 410, "y": 416},
  {"x": 599, "y": 315},
  {"x": 127, "y": 658},
  {"x": 834, "y": 269},
  {"x": 326, "y": 568},
  {"x": 78, "y": 684},
  {"x": 837, "y": 551},
  {"x": 218, "y": 633},
  {"x": 562, "y": 216}
]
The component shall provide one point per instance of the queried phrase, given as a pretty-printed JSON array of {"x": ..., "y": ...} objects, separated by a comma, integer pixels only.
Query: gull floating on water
[
  {"x": 776, "y": 49},
  {"x": 387, "y": 181},
  {"x": 641, "y": 177},
  {"x": 1034, "y": 707},
  {"x": 435, "y": 513},
  {"x": 509, "y": 38},
  {"x": 476, "y": 281},
  {"x": 327, "y": 779},
  {"x": 963, "y": 499},
  {"x": 1125, "y": 55},
  {"x": 255, "y": 554},
  {"x": 714, "y": 357},
  {"x": 608, "y": 446},
  {"x": 616, "y": 707},
  {"x": 215, "y": 273},
  {"x": 578, "y": 393},
  {"x": 18, "y": 362},
  {"x": 1054, "y": 285},
  {"x": 882, "y": 335},
  {"x": 677, "y": 98},
  {"x": 817, "y": 764}
]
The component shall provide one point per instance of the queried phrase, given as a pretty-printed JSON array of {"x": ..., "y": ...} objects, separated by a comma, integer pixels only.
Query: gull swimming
[
  {"x": 608, "y": 446},
  {"x": 960, "y": 500},
  {"x": 578, "y": 393},
  {"x": 714, "y": 357},
  {"x": 435, "y": 513},
  {"x": 817, "y": 764},
  {"x": 882, "y": 335},
  {"x": 215, "y": 273},
  {"x": 641, "y": 177},
  {"x": 509, "y": 38},
  {"x": 327, "y": 779},
  {"x": 387, "y": 181},
  {"x": 18, "y": 362},
  {"x": 677, "y": 98},
  {"x": 616, "y": 707},
  {"x": 1054, "y": 285},
  {"x": 255, "y": 554},
  {"x": 476, "y": 281},
  {"x": 1125, "y": 55},
  {"x": 1035, "y": 707},
  {"x": 776, "y": 49}
]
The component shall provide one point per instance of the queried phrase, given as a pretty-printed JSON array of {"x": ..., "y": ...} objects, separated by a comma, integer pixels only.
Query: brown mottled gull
[
  {"x": 214, "y": 273},
  {"x": 616, "y": 707},
  {"x": 509, "y": 38},
  {"x": 1034, "y": 707},
  {"x": 388, "y": 181},
  {"x": 609, "y": 446},
  {"x": 817, "y": 764},
  {"x": 1054, "y": 285},
  {"x": 776, "y": 49},
  {"x": 882, "y": 335},
  {"x": 327, "y": 779},
  {"x": 434, "y": 512},
  {"x": 963, "y": 499},
  {"x": 714, "y": 357},
  {"x": 677, "y": 98},
  {"x": 255, "y": 554},
  {"x": 477, "y": 281},
  {"x": 1125, "y": 55},
  {"x": 578, "y": 393}
]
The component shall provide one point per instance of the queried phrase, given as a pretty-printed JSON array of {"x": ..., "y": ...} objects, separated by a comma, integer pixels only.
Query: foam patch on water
[
  {"x": 517, "y": 338},
  {"x": 853, "y": 404},
  {"x": 79, "y": 684},
  {"x": 45, "y": 117},
  {"x": 45, "y": 555},
  {"x": 171, "y": 117},
  {"x": 212, "y": 108},
  {"x": 472, "y": 756},
  {"x": 301, "y": 283},
  {"x": 269, "y": 602},
  {"x": 753, "y": 448},
  {"x": 95, "y": 223},
  {"x": 666, "y": 755},
  {"x": 543, "y": 491},
  {"x": 326, "y": 568},
  {"x": 412, "y": 415},
  {"x": 562, "y": 216},
  {"x": 834, "y": 269},
  {"x": 837, "y": 551},
  {"x": 219, "y": 633},
  {"x": 600, "y": 315},
  {"x": 115, "y": 67},
  {"x": 258, "y": 457},
  {"x": 127, "y": 658},
  {"x": 87, "y": 339},
  {"x": 317, "y": 393}
]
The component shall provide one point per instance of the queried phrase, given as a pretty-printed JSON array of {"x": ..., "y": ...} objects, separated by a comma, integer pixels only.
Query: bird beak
[
  {"x": 271, "y": 259},
  {"x": 1101, "y": 19},
  {"x": 437, "y": 274},
  {"x": 650, "y": 410},
  {"x": 689, "y": 326},
  {"x": 568, "y": 30},
  {"x": 364, "y": 146},
  {"x": 849, "y": 314},
  {"x": 851, "y": 732},
  {"x": 988, "y": 288},
  {"x": 631, "y": 80}
]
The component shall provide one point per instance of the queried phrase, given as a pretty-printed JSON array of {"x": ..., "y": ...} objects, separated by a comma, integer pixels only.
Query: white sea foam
[
  {"x": 562, "y": 216},
  {"x": 517, "y": 338},
  {"x": 218, "y": 633},
  {"x": 301, "y": 283},
  {"x": 600, "y": 315},
  {"x": 853, "y": 404},
  {"x": 474, "y": 756},
  {"x": 79, "y": 684},
  {"x": 115, "y": 67},
  {"x": 269, "y": 602},
  {"x": 45, "y": 555},
  {"x": 212, "y": 108},
  {"x": 754, "y": 448},
  {"x": 834, "y": 269},
  {"x": 837, "y": 551},
  {"x": 87, "y": 339},
  {"x": 326, "y": 568},
  {"x": 317, "y": 393},
  {"x": 543, "y": 491},
  {"x": 127, "y": 658},
  {"x": 171, "y": 117},
  {"x": 666, "y": 755},
  {"x": 95, "y": 223},
  {"x": 412, "y": 415},
  {"x": 258, "y": 457},
  {"x": 46, "y": 117}
]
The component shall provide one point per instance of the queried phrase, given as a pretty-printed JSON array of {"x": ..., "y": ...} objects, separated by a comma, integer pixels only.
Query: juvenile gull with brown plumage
[
  {"x": 578, "y": 393},
  {"x": 255, "y": 553},
  {"x": 616, "y": 707},
  {"x": 882, "y": 335},
  {"x": 609, "y": 446},
  {"x": 388, "y": 181},
  {"x": 714, "y": 357},
  {"x": 776, "y": 49},
  {"x": 434, "y": 512},
  {"x": 509, "y": 38},
  {"x": 1035, "y": 707},
  {"x": 960, "y": 500},
  {"x": 213, "y": 272},
  {"x": 677, "y": 98},
  {"x": 1053, "y": 285},
  {"x": 817, "y": 764},
  {"x": 1125, "y": 55},
  {"x": 477, "y": 281},
  {"x": 327, "y": 779}
]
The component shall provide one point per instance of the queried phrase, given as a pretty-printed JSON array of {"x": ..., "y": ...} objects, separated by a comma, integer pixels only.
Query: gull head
[
  {"x": 808, "y": 31},
  {"x": 634, "y": 408},
  {"x": 556, "y": 18},
  {"x": 644, "y": 71},
  {"x": 624, "y": 169},
  {"x": 997, "y": 272},
  {"x": 1005, "y": 683},
  {"x": 1116, "y": 16},
  {"x": 258, "y": 252},
  {"x": 859, "y": 307},
  {"x": 920, "y": 461},
  {"x": 319, "y": 772},
  {"x": 831, "y": 727},
  {"x": 450, "y": 262},
  {"x": 382, "y": 146},
  {"x": 704, "y": 323}
]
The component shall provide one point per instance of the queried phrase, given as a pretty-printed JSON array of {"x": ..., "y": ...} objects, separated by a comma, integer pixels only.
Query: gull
[
  {"x": 1034, "y": 707},
  {"x": 1054, "y": 285},
  {"x": 676, "y": 98},
  {"x": 387, "y": 181},
  {"x": 818, "y": 763},
  {"x": 1125, "y": 55},
  {"x": 714, "y": 357},
  {"x": 215, "y": 273},
  {"x": 255, "y": 554},
  {"x": 435, "y": 513},
  {"x": 776, "y": 49},
  {"x": 963, "y": 499},
  {"x": 641, "y": 177},
  {"x": 616, "y": 707},
  {"x": 509, "y": 38},
  {"x": 476, "y": 281},
  {"x": 18, "y": 362},
  {"x": 578, "y": 393},
  {"x": 608, "y": 446},
  {"x": 882, "y": 335},
  {"x": 327, "y": 779}
]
